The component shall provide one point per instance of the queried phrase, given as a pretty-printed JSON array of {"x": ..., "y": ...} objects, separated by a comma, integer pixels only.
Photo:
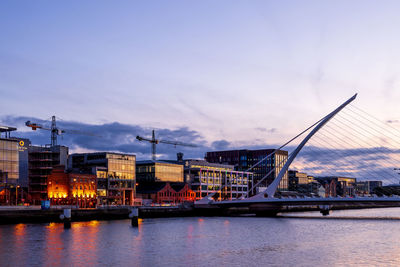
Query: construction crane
[
  {"x": 55, "y": 131},
  {"x": 155, "y": 141}
]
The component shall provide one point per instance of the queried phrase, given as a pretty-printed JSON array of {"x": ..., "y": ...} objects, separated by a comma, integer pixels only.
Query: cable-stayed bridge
[{"x": 348, "y": 142}]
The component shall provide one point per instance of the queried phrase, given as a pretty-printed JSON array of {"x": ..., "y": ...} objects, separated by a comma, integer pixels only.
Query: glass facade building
[
  {"x": 206, "y": 178},
  {"x": 9, "y": 161},
  {"x": 116, "y": 175},
  {"x": 158, "y": 171},
  {"x": 262, "y": 162}
]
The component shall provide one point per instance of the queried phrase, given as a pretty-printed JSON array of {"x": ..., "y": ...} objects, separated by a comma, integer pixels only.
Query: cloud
[
  {"x": 262, "y": 129},
  {"x": 362, "y": 163},
  {"x": 220, "y": 144},
  {"x": 119, "y": 137},
  {"x": 113, "y": 136}
]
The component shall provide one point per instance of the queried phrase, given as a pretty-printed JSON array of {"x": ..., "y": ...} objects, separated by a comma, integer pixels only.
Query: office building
[
  {"x": 367, "y": 187},
  {"x": 304, "y": 184},
  {"x": 150, "y": 171},
  {"x": 115, "y": 172},
  {"x": 13, "y": 166},
  {"x": 221, "y": 179},
  {"x": 23, "y": 155},
  {"x": 9, "y": 161},
  {"x": 9, "y": 156},
  {"x": 296, "y": 178},
  {"x": 263, "y": 163}
]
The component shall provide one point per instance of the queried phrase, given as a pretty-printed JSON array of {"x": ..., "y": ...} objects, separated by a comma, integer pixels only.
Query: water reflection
[{"x": 235, "y": 241}]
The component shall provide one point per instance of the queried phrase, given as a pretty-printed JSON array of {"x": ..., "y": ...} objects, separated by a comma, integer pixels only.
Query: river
[{"x": 344, "y": 238}]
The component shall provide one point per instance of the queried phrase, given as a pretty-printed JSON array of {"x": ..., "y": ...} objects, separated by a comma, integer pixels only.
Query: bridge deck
[{"x": 308, "y": 201}]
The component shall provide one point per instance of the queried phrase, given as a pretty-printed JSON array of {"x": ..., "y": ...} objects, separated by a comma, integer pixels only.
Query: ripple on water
[{"x": 236, "y": 241}]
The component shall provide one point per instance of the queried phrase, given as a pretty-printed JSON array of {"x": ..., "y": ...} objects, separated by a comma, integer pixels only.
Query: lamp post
[
  {"x": 16, "y": 195},
  {"x": 84, "y": 197}
]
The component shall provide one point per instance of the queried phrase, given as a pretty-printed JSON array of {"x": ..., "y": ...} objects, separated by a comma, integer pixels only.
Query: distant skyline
[{"x": 235, "y": 73}]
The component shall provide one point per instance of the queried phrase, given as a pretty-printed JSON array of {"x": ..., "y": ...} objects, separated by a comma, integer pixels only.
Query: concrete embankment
[
  {"x": 13, "y": 215},
  {"x": 169, "y": 211},
  {"x": 33, "y": 215}
]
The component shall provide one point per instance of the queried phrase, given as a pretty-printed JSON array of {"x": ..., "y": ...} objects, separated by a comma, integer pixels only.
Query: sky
[{"x": 221, "y": 74}]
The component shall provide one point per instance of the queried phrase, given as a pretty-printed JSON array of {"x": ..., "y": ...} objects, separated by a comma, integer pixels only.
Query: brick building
[
  {"x": 68, "y": 188},
  {"x": 165, "y": 193}
]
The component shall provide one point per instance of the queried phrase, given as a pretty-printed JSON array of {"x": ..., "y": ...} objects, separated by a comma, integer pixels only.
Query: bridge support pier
[
  {"x": 134, "y": 215},
  {"x": 270, "y": 213},
  {"x": 324, "y": 209},
  {"x": 66, "y": 218}
]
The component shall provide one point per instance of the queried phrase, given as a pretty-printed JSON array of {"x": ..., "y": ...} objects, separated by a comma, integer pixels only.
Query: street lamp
[{"x": 16, "y": 195}]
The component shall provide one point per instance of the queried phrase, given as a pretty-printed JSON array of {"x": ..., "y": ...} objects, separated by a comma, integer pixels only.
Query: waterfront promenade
[{"x": 34, "y": 214}]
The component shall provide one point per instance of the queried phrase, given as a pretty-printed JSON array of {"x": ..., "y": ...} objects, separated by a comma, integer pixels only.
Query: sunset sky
[{"x": 222, "y": 74}]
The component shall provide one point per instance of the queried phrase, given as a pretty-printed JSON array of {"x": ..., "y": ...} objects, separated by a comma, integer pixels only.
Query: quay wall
[{"x": 33, "y": 214}]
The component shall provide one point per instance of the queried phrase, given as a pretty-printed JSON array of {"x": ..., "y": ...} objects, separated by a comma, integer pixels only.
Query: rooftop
[
  {"x": 4, "y": 129},
  {"x": 147, "y": 162}
]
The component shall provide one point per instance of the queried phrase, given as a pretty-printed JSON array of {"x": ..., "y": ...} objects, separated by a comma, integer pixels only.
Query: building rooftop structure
[{"x": 7, "y": 130}]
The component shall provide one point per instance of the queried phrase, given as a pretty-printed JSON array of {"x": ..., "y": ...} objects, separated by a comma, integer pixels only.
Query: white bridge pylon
[{"x": 271, "y": 189}]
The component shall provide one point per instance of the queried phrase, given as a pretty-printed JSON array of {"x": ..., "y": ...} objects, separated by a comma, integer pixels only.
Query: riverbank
[{"x": 34, "y": 214}]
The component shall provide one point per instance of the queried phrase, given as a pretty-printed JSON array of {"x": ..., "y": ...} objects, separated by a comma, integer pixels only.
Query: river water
[{"x": 344, "y": 238}]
